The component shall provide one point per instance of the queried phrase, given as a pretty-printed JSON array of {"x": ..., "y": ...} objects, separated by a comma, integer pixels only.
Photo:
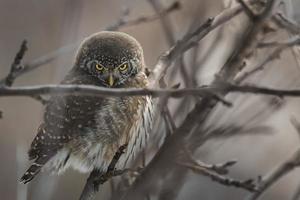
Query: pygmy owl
[{"x": 84, "y": 132}]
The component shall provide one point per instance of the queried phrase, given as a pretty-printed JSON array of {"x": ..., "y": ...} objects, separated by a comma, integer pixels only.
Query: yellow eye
[
  {"x": 123, "y": 67},
  {"x": 99, "y": 67}
]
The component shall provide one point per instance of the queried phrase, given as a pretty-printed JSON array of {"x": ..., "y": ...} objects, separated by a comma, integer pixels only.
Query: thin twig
[
  {"x": 16, "y": 68},
  {"x": 293, "y": 41},
  {"x": 296, "y": 125},
  {"x": 248, "y": 10},
  {"x": 296, "y": 55},
  {"x": 221, "y": 168},
  {"x": 297, "y": 194},
  {"x": 280, "y": 171},
  {"x": 282, "y": 21},
  {"x": 191, "y": 39},
  {"x": 217, "y": 172},
  {"x": 227, "y": 181},
  {"x": 273, "y": 55},
  {"x": 16, "y": 65}
]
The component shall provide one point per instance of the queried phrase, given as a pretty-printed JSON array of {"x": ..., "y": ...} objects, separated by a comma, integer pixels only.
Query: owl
[{"x": 84, "y": 132}]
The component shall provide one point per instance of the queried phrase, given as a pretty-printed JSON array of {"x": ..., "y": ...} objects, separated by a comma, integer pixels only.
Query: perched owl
[{"x": 84, "y": 132}]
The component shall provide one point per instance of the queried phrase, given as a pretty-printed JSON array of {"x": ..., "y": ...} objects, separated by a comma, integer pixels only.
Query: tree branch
[
  {"x": 98, "y": 178},
  {"x": 281, "y": 46},
  {"x": 190, "y": 40},
  {"x": 280, "y": 171},
  {"x": 282, "y": 21},
  {"x": 16, "y": 65},
  {"x": 248, "y": 10},
  {"x": 205, "y": 91},
  {"x": 217, "y": 172}
]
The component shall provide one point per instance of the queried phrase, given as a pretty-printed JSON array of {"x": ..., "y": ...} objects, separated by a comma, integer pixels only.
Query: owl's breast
[
  {"x": 124, "y": 120},
  {"x": 116, "y": 121}
]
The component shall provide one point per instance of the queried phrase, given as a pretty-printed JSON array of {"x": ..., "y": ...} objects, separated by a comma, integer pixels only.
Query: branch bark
[
  {"x": 205, "y": 91},
  {"x": 277, "y": 173},
  {"x": 97, "y": 177}
]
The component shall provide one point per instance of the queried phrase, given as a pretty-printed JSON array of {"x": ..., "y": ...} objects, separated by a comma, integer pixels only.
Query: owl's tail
[{"x": 33, "y": 170}]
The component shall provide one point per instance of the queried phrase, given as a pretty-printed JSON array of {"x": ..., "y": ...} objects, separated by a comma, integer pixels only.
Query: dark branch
[
  {"x": 221, "y": 168},
  {"x": 15, "y": 66},
  {"x": 297, "y": 194},
  {"x": 205, "y": 91},
  {"x": 217, "y": 172},
  {"x": 277, "y": 173},
  {"x": 280, "y": 171},
  {"x": 248, "y": 10},
  {"x": 98, "y": 178},
  {"x": 281, "y": 46},
  {"x": 189, "y": 40},
  {"x": 296, "y": 125},
  {"x": 282, "y": 21}
]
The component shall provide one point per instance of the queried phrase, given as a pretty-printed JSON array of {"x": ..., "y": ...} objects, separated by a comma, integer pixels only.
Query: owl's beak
[{"x": 111, "y": 80}]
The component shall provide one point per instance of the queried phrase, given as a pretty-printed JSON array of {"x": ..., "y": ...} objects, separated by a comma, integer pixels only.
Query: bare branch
[
  {"x": 97, "y": 177},
  {"x": 297, "y": 194},
  {"x": 296, "y": 125},
  {"x": 16, "y": 65},
  {"x": 221, "y": 168},
  {"x": 273, "y": 55},
  {"x": 190, "y": 40},
  {"x": 248, "y": 10},
  {"x": 16, "y": 68},
  {"x": 280, "y": 171},
  {"x": 216, "y": 172},
  {"x": 246, "y": 184},
  {"x": 205, "y": 91},
  {"x": 286, "y": 43},
  {"x": 282, "y": 21}
]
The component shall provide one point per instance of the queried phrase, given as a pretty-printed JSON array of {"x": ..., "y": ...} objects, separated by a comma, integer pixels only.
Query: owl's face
[{"x": 110, "y": 57}]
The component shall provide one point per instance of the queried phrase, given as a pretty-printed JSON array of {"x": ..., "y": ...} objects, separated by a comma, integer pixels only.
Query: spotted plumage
[{"x": 84, "y": 132}]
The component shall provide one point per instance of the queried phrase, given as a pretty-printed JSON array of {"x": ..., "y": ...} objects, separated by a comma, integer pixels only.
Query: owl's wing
[
  {"x": 50, "y": 133},
  {"x": 65, "y": 117}
]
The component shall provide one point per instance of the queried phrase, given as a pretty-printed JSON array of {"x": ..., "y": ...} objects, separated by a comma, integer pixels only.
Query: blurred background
[{"x": 50, "y": 24}]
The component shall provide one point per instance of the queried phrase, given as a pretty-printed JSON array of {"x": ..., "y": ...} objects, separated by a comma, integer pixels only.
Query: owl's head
[{"x": 110, "y": 57}]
